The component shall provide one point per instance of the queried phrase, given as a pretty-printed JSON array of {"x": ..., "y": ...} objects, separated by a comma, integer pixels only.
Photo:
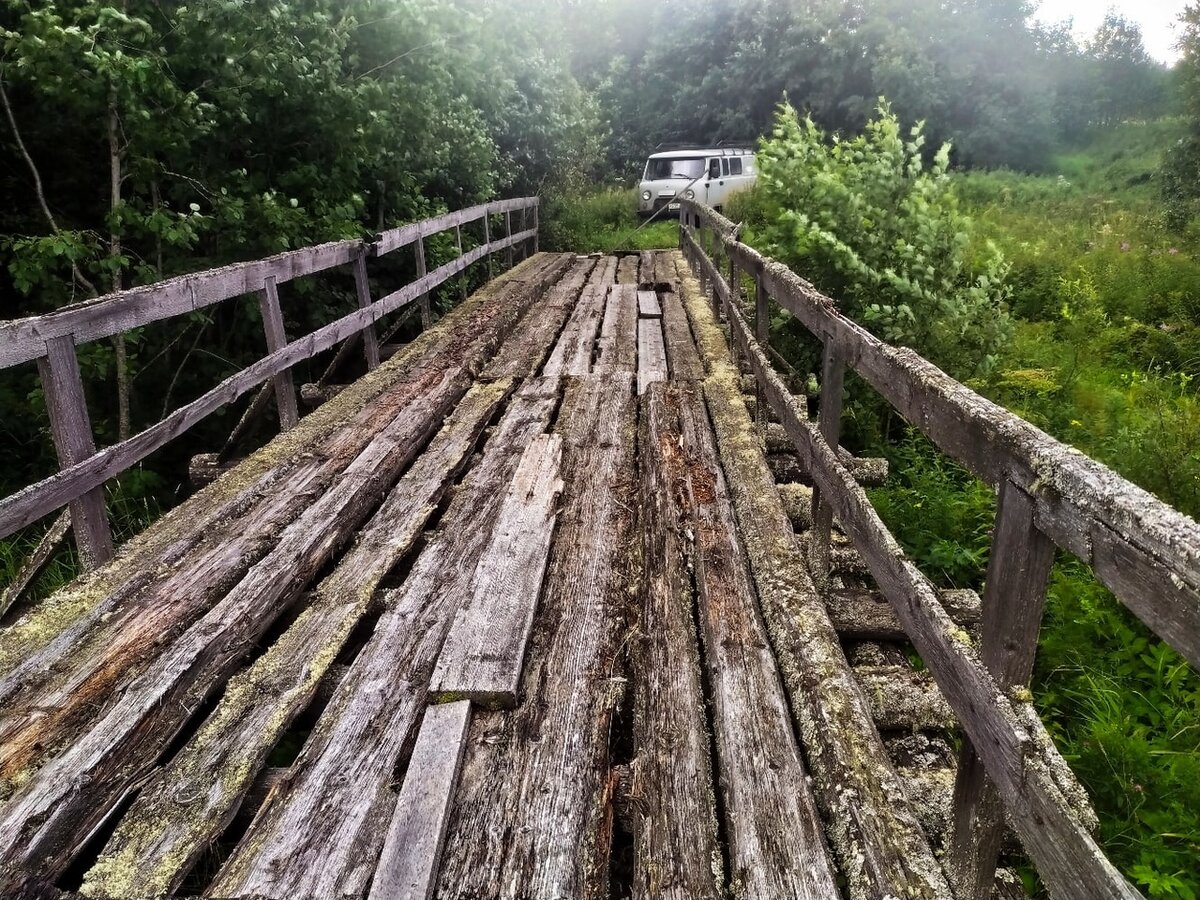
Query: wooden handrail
[
  {"x": 1143, "y": 550},
  {"x": 1020, "y": 763},
  {"x": 83, "y": 474}
]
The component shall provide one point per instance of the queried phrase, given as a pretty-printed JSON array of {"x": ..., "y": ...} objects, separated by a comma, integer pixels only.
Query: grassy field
[{"x": 604, "y": 221}]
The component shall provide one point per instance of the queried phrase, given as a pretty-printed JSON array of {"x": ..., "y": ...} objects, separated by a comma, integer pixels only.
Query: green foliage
[
  {"x": 866, "y": 220},
  {"x": 1181, "y": 169}
]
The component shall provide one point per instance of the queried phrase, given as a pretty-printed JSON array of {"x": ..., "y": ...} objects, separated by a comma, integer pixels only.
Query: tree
[{"x": 1181, "y": 169}]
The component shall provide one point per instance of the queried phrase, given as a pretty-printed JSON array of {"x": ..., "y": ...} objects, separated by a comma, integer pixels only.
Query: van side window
[
  {"x": 735, "y": 166},
  {"x": 724, "y": 166},
  {"x": 714, "y": 168}
]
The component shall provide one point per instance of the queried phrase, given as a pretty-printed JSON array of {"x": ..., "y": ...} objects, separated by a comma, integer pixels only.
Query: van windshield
[{"x": 662, "y": 169}]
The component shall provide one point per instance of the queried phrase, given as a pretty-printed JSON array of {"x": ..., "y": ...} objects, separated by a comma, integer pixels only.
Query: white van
[{"x": 708, "y": 174}]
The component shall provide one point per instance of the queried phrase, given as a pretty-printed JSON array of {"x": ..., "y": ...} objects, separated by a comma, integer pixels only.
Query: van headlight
[
  {"x": 645, "y": 195},
  {"x": 691, "y": 195}
]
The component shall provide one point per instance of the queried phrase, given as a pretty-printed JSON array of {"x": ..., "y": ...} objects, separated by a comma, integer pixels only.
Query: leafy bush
[
  {"x": 868, "y": 222},
  {"x": 601, "y": 221}
]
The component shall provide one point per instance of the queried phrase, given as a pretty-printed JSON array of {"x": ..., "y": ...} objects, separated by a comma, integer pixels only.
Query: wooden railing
[
  {"x": 1050, "y": 495},
  {"x": 51, "y": 339}
]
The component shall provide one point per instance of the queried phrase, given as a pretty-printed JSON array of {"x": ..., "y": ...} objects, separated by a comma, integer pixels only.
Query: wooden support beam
[
  {"x": 508, "y": 251},
  {"x": 1013, "y": 602},
  {"x": 285, "y": 390},
  {"x": 484, "y": 652},
  {"x": 459, "y": 246},
  {"x": 71, "y": 429},
  {"x": 362, "y": 288},
  {"x": 408, "y": 865}
]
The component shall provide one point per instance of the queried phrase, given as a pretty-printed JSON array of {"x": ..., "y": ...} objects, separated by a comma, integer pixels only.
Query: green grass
[{"x": 603, "y": 221}]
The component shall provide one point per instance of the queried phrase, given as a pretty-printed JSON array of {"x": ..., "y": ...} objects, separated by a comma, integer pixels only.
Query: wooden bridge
[{"x": 569, "y": 597}]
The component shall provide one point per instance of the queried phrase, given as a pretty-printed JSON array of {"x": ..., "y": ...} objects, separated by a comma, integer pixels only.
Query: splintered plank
[
  {"x": 879, "y": 844},
  {"x": 47, "y": 821},
  {"x": 677, "y": 855},
  {"x": 648, "y": 305},
  {"x": 776, "y": 839},
  {"x": 482, "y": 657},
  {"x": 681, "y": 349},
  {"x": 533, "y": 817},
  {"x": 652, "y": 355},
  {"x": 627, "y": 269},
  {"x": 408, "y": 864},
  {"x": 572, "y": 355},
  {"x": 188, "y": 804},
  {"x": 318, "y": 834},
  {"x": 646, "y": 266},
  {"x": 524, "y": 351},
  {"x": 618, "y": 333},
  {"x": 78, "y": 650}
]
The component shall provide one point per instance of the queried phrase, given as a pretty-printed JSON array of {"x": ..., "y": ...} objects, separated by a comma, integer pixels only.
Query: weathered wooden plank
[
  {"x": 617, "y": 345},
  {"x": 652, "y": 354},
  {"x": 879, "y": 845},
  {"x": 525, "y": 350},
  {"x": 49, "y": 819},
  {"x": 319, "y": 834},
  {"x": 35, "y": 501},
  {"x": 285, "y": 390},
  {"x": 774, "y": 834},
  {"x": 648, "y": 305},
  {"x": 673, "y": 818},
  {"x": 1014, "y": 600},
  {"x": 1045, "y": 804},
  {"x": 409, "y": 862},
  {"x": 71, "y": 428},
  {"x": 533, "y": 813},
  {"x": 1073, "y": 493},
  {"x": 572, "y": 355},
  {"x": 51, "y": 631},
  {"x": 833, "y": 379},
  {"x": 188, "y": 803},
  {"x": 484, "y": 652},
  {"x": 23, "y": 340},
  {"x": 45, "y": 550}
]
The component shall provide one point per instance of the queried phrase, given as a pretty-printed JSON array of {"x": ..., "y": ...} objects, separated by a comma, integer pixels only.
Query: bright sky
[{"x": 1157, "y": 18}]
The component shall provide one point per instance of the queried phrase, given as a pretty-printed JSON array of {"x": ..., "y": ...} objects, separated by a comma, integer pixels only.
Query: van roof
[{"x": 702, "y": 151}]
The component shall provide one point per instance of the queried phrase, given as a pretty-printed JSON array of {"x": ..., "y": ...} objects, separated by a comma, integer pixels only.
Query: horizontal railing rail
[
  {"x": 51, "y": 340},
  {"x": 1145, "y": 551}
]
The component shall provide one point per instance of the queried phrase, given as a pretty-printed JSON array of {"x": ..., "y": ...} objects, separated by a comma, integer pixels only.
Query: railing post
[
  {"x": 508, "y": 251},
  {"x": 537, "y": 222},
  {"x": 285, "y": 390},
  {"x": 833, "y": 379},
  {"x": 419, "y": 250},
  {"x": 762, "y": 333},
  {"x": 71, "y": 429},
  {"x": 487, "y": 239},
  {"x": 1014, "y": 599},
  {"x": 363, "y": 289},
  {"x": 463, "y": 274}
]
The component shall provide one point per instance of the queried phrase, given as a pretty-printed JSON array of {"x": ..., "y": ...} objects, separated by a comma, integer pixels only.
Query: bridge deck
[{"x": 520, "y": 614}]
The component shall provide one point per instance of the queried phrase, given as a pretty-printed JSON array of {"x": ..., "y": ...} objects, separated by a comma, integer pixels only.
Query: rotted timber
[
  {"x": 533, "y": 817},
  {"x": 672, "y": 804},
  {"x": 319, "y": 833},
  {"x": 775, "y": 837}
]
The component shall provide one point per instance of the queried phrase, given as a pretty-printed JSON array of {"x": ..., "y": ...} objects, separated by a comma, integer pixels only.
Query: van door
[{"x": 718, "y": 178}]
